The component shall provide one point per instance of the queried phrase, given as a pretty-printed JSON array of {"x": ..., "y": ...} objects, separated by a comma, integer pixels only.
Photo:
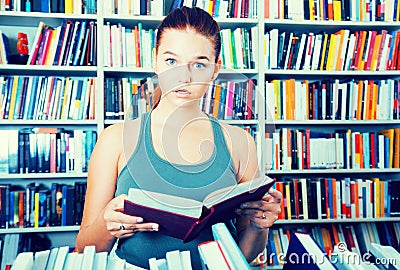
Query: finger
[
  {"x": 252, "y": 204},
  {"x": 276, "y": 195},
  {"x": 117, "y": 204},
  {"x": 249, "y": 212},
  {"x": 143, "y": 227}
]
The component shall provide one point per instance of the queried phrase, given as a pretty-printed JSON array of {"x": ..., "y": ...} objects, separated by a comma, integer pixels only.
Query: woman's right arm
[
  {"x": 103, "y": 214},
  {"x": 102, "y": 175}
]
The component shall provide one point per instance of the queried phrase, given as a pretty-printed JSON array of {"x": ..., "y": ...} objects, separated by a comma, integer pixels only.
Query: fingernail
[
  {"x": 155, "y": 227},
  {"x": 244, "y": 205},
  {"x": 139, "y": 220}
]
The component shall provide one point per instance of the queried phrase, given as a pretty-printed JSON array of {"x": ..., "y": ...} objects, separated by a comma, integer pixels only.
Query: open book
[{"x": 184, "y": 218}]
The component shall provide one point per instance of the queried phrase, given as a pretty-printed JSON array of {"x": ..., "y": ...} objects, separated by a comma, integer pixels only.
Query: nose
[{"x": 185, "y": 73}]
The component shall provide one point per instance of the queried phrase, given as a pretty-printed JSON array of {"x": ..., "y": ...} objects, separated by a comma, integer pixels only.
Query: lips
[{"x": 182, "y": 92}]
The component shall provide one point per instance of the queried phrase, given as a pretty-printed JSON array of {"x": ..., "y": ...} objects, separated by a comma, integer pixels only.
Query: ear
[
  {"x": 217, "y": 68},
  {"x": 154, "y": 60}
]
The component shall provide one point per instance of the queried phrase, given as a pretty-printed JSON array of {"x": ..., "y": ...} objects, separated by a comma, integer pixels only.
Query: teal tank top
[{"x": 145, "y": 169}]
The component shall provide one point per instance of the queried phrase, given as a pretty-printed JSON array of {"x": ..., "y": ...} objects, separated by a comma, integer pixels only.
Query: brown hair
[{"x": 193, "y": 18}]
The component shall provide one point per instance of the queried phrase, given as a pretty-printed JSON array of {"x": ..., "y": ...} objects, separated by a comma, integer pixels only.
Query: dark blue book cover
[{"x": 305, "y": 254}]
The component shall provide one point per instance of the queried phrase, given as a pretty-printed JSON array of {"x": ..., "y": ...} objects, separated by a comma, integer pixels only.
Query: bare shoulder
[{"x": 236, "y": 136}]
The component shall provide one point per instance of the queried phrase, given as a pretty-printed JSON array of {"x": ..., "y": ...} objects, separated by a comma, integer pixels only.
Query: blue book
[{"x": 304, "y": 253}]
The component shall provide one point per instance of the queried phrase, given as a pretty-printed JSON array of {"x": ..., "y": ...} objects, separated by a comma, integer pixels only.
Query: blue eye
[
  {"x": 171, "y": 61},
  {"x": 199, "y": 65}
]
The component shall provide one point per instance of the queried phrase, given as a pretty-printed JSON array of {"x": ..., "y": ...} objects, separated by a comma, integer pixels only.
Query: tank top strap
[{"x": 219, "y": 138}]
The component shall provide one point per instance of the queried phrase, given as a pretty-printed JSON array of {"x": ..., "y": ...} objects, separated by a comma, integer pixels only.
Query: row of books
[
  {"x": 45, "y": 150},
  {"x": 134, "y": 7},
  {"x": 70, "y": 44},
  {"x": 126, "y": 47},
  {"x": 47, "y": 98},
  {"x": 339, "y": 198},
  {"x": 358, "y": 239},
  {"x": 288, "y": 149},
  {"x": 222, "y": 247},
  {"x": 127, "y": 98},
  {"x": 333, "y": 10},
  {"x": 332, "y": 100},
  {"x": 36, "y": 205},
  {"x": 54, "y": 6},
  {"x": 222, "y": 8},
  {"x": 229, "y": 100},
  {"x": 341, "y": 50},
  {"x": 239, "y": 48}
]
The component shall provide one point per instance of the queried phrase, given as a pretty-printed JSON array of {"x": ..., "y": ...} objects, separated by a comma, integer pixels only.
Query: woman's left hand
[{"x": 263, "y": 213}]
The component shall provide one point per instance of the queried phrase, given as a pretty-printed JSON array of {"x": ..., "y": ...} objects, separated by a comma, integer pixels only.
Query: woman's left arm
[{"x": 254, "y": 218}]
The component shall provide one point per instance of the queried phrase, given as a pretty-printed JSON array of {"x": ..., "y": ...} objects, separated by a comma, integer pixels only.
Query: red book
[
  {"x": 372, "y": 148},
  {"x": 371, "y": 50},
  {"x": 280, "y": 188},
  {"x": 296, "y": 197},
  {"x": 308, "y": 163},
  {"x": 396, "y": 55},
  {"x": 185, "y": 218}
]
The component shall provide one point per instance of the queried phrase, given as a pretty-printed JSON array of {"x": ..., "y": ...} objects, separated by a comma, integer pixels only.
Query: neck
[{"x": 165, "y": 112}]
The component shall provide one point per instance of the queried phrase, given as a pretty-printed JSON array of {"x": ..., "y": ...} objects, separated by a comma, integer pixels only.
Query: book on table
[{"x": 185, "y": 218}]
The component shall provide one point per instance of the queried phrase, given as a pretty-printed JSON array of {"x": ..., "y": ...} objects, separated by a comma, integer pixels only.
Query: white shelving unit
[{"x": 27, "y": 22}]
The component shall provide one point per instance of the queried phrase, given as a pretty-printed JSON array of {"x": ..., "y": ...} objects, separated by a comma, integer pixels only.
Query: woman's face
[{"x": 185, "y": 65}]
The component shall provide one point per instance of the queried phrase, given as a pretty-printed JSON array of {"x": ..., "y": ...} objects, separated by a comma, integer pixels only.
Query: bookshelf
[
  {"x": 356, "y": 227},
  {"x": 12, "y": 22}
]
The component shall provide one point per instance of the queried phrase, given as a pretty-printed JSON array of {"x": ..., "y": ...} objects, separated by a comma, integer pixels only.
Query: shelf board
[
  {"x": 230, "y": 122},
  {"x": 49, "y": 122},
  {"x": 331, "y": 171},
  {"x": 334, "y": 122},
  {"x": 41, "y": 70},
  {"x": 128, "y": 70},
  {"x": 42, "y": 175},
  {"x": 311, "y": 73},
  {"x": 32, "y": 19},
  {"x": 41, "y": 229},
  {"x": 328, "y": 221},
  {"x": 301, "y": 24}
]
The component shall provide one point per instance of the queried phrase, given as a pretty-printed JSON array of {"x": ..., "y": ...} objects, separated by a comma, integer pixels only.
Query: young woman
[{"x": 176, "y": 149}]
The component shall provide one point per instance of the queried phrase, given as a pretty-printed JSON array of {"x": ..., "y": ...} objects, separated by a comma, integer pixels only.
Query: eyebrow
[{"x": 198, "y": 57}]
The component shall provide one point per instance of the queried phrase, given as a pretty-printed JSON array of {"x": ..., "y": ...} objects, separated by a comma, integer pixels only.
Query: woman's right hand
[{"x": 121, "y": 225}]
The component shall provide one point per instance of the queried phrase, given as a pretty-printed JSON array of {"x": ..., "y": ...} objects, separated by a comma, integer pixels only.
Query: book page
[
  {"x": 229, "y": 192},
  {"x": 178, "y": 205}
]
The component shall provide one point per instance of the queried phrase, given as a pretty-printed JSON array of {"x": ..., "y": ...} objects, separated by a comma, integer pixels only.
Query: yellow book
[
  {"x": 312, "y": 10},
  {"x": 69, "y": 6},
  {"x": 326, "y": 36},
  {"x": 382, "y": 199},
  {"x": 331, "y": 52},
  {"x": 209, "y": 9},
  {"x": 277, "y": 93},
  {"x": 377, "y": 197},
  {"x": 13, "y": 98},
  {"x": 377, "y": 44},
  {"x": 65, "y": 98},
  {"x": 52, "y": 46},
  {"x": 374, "y": 101},
  {"x": 36, "y": 214},
  {"x": 288, "y": 206},
  {"x": 340, "y": 35},
  {"x": 389, "y": 133},
  {"x": 337, "y": 10},
  {"x": 217, "y": 103},
  {"x": 361, "y": 9}
]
